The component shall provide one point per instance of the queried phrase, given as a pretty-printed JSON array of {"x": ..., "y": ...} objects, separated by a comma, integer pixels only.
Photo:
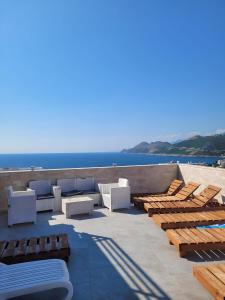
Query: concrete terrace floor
[{"x": 115, "y": 256}]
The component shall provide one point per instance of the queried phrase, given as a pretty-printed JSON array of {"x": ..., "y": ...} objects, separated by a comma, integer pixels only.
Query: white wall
[
  {"x": 205, "y": 176},
  {"x": 143, "y": 179}
]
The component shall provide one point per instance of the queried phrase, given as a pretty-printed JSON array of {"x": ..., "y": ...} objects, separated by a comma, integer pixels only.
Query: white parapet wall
[
  {"x": 204, "y": 176},
  {"x": 143, "y": 179}
]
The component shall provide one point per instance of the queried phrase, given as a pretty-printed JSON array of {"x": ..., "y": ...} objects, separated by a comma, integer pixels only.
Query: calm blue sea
[{"x": 76, "y": 160}]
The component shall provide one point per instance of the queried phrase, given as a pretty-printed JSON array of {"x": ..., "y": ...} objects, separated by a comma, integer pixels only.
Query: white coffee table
[{"x": 77, "y": 206}]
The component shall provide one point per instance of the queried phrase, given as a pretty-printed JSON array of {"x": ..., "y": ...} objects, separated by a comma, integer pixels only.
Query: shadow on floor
[
  {"x": 132, "y": 211},
  {"x": 206, "y": 256},
  {"x": 95, "y": 214},
  {"x": 99, "y": 268},
  {"x": 128, "y": 279}
]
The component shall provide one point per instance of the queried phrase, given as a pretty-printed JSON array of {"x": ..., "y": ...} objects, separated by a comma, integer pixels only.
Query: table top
[{"x": 77, "y": 199}]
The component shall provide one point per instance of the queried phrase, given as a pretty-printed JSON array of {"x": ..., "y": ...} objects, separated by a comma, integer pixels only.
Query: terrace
[{"x": 123, "y": 254}]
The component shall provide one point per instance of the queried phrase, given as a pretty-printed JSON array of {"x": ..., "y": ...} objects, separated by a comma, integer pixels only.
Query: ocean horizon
[{"x": 95, "y": 159}]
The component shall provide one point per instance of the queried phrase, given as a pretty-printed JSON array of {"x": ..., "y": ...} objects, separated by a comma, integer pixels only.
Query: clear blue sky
[{"x": 101, "y": 75}]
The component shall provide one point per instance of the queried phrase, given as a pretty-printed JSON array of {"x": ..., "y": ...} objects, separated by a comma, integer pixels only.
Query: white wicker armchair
[
  {"x": 21, "y": 206},
  {"x": 115, "y": 195}
]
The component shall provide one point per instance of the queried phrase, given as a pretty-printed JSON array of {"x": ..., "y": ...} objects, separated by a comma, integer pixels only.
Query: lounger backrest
[
  {"x": 187, "y": 190},
  {"x": 174, "y": 187},
  {"x": 206, "y": 195}
]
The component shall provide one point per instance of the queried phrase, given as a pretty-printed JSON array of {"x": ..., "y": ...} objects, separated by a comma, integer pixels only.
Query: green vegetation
[{"x": 213, "y": 145}]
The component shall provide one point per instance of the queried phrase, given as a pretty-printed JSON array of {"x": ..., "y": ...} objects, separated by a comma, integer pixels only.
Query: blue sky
[{"x": 102, "y": 75}]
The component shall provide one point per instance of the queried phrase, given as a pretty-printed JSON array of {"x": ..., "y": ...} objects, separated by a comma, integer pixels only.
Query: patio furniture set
[
  {"x": 177, "y": 210},
  {"x": 71, "y": 196},
  {"x": 45, "y": 254},
  {"x": 180, "y": 213}
]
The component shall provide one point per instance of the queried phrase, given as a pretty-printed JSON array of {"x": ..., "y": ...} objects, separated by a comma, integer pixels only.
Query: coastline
[
  {"x": 81, "y": 160},
  {"x": 181, "y": 155}
]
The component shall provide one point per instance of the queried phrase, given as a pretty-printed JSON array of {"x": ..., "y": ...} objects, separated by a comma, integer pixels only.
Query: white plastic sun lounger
[{"x": 31, "y": 277}]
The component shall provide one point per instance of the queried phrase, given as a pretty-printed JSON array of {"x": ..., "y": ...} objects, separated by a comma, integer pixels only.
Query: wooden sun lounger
[
  {"x": 212, "y": 277},
  {"x": 186, "y": 220},
  {"x": 173, "y": 188},
  {"x": 170, "y": 191},
  {"x": 196, "y": 239},
  {"x": 182, "y": 195},
  {"x": 201, "y": 202},
  {"x": 36, "y": 248}
]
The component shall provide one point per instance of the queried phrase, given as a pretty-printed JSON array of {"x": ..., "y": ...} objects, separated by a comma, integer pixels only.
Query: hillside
[{"x": 196, "y": 145}]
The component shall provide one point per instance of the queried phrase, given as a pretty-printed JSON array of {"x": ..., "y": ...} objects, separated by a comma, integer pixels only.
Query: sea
[{"x": 80, "y": 160}]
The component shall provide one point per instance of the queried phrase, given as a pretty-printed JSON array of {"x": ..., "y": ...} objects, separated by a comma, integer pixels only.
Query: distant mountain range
[{"x": 212, "y": 145}]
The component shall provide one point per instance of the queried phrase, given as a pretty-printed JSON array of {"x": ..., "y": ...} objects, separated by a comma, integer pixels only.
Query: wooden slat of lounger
[
  {"x": 152, "y": 205},
  {"x": 217, "y": 216},
  {"x": 198, "y": 202},
  {"x": 21, "y": 248},
  {"x": 203, "y": 239},
  {"x": 206, "y": 276},
  {"x": 221, "y": 213},
  {"x": 63, "y": 240},
  {"x": 192, "y": 217},
  {"x": 170, "y": 218},
  {"x": 175, "y": 185},
  {"x": 43, "y": 247},
  {"x": 216, "y": 189},
  {"x": 183, "y": 220},
  {"x": 208, "y": 236},
  {"x": 182, "y": 206},
  {"x": 220, "y": 231},
  {"x": 187, "y": 190},
  {"x": 194, "y": 235},
  {"x": 35, "y": 248},
  {"x": 2, "y": 247},
  {"x": 176, "y": 218},
  {"x": 53, "y": 241},
  {"x": 189, "y": 239},
  {"x": 218, "y": 273},
  {"x": 32, "y": 246},
  {"x": 9, "y": 250},
  {"x": 207, "y": 215},
  {"x": 215, "y": 234},
  {"x": 161, "y": 218},
  {"x": 169, "y": 204},
  {"x": 176, "y": 239},
  {"x": 222, "y": 268},
  {"x": 157, "y": 205},
  {"x": 164, "y": 219}
]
